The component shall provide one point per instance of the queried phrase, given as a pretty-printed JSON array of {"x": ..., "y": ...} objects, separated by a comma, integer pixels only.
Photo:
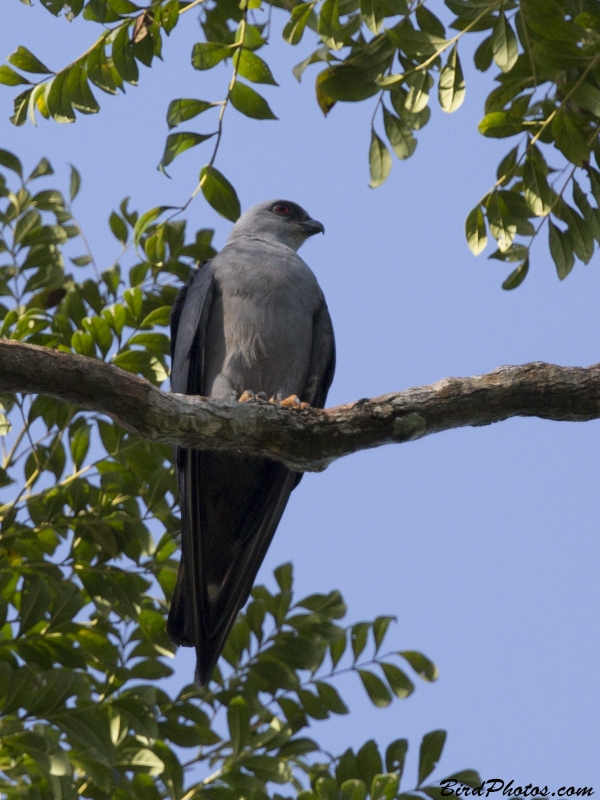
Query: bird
[{"x": 251, "y": 324}]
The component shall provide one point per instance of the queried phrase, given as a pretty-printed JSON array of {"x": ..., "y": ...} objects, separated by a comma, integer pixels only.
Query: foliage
[
  {"x": 87, "y": 566},
  {"x": 547, "y": 93}
]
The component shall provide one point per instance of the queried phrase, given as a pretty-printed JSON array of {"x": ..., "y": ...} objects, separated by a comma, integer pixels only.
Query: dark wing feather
[
  {"x": 188, "y": 329},
  {"x": 230, "y": 505},
  {"x": 322, "y": 364},
  {"x": 322, "y": 359}
]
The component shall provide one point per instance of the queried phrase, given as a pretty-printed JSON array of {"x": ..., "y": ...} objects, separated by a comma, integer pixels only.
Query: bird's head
[{"x": 278, "y": 221}]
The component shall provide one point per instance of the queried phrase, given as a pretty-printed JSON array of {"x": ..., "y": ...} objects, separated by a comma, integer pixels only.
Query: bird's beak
[{"x": 312, "y": 226}]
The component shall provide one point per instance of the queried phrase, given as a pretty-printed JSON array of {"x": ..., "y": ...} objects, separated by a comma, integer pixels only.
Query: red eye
[{"x": 282, "y": 209}]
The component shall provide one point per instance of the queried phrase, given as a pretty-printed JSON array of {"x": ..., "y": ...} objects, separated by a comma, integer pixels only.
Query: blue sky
[{"x": 483, "y": 542}]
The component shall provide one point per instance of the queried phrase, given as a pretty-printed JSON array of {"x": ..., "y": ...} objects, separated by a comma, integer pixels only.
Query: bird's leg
[
  {"x": 250, "y": 397},
  {"x": 293, "y": 401}
]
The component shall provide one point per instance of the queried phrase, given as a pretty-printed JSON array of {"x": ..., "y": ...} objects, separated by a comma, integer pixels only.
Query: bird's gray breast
[{"x": 260, "y": 328}]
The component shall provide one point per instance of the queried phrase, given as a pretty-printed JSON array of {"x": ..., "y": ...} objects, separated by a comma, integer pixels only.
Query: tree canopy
[
  {"x": 390, "y": 54},
  {"x": 89, "y": 532}
]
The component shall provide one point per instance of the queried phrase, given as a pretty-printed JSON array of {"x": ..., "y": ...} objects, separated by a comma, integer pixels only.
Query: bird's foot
[
  {"x": 250, "y": 397},
  {"x": 293, "y": 401}
]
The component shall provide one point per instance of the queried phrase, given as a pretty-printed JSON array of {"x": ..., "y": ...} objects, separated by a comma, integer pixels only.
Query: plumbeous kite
[{"x": 252, "y": 322}]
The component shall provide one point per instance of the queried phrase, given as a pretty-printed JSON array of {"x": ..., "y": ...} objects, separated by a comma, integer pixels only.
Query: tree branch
[{"x": 306, "y": 440}]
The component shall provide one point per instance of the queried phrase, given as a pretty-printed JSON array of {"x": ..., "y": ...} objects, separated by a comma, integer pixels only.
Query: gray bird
[{"x": 252, "y": 321}]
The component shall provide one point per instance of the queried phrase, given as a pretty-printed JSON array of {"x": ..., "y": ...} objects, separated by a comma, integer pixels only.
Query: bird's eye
[{"x": 282, "y": 209}]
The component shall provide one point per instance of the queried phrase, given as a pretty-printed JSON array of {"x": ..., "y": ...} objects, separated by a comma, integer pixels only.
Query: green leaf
[
  {"x": 123, "y": 6},
  {"x": 451, "y": 87},
  {"x": 99, "y": 70},
  {"x": 591, "y": 216},
  {"x": 380, "y": 627},
  {"x": 10, "y": 161},
  {"x": 484, "y": 55},
  {"x": 536, "y": 191},
  {"x": 219, "y": 193},
  {"x": 58, "y": 100},
  {"x": 401, "y": 138},
  {"x": 118, "y": 227},
  {"x": 418, "y": 96},
  {"x": 252, "y": 67},
  {"x": 80, "y": 443},
  {"x": 74, "y": 184},
  {"x": 517, "y": 277},
  {"x": 157, "y": 343},
  {"x": 179, "y": 142},
  {"x": 368, "y": 762},
  {"x": 184, "y": 109},
  {"x": 206, "y": 55},
  {"x": 385, "y": 786},
  {"x": 395, "y": 756},
  {"x": 35, "y": 601},
  {"x": 11, "y": 78},
  {"x": 238, "y": 720},
  {"x": 475, "y": 231},
  {"x": 380, "y": 161},
  {"x": 505, "y": 47},
  {"x": 501, "y": 223},
  {"x": 354, "y": 789},
  {"x": 468, "y": 777},
  {"x": 140, "y": 757},
  {"x": 123, "y": 58},
  {"x": 160, "y": 316},
  {"x": 44, "y": 167},
  {"x": 587, "y": 96},
  {"x": 83, "y": 343},
  {"x": 372, "y": 13},
  {"x": 328, "y": 25},
  {"x": 358, "y": 638},
  {"x": 516, "y": 252},
  {"x": 560, "y": 250},
  {"x": 425, "y": 668},
  {"x": 399, "y": 683},
  {"x": 23, "y": 59},
  {"x": 170, "y": 15},
  {"x": 428, "y": 22},
  {"x": 329, "y": 695},
  {"x": 98, "y": 327},
  {"x": 295, "y": 26},
  {"x": 134, "y": 299},
  {"x": 432, "y": 745},
  {"x": 375, "y": 688},
  {"x": 249, "y": 102},
  {"x": 569, "y": 138},
  {"x": 21, "y": 104},
  {"x": 144, "y": 222},
  {"x": 312, "y": 704},
  {"x": 500, "y": 124},
  {"x": 284, "y": 575},
  {"x": 415, "y": 43}
]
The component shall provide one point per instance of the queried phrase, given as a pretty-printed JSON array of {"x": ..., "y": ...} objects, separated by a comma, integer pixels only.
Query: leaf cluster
[
  {"x": 548, "y": 92},
  {"x": 88, "y": 536}
]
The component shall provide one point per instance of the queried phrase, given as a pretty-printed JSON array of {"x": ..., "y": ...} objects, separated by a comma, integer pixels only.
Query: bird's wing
[
  {"x": 189, "y": 320},
  {"x": 322, "y": 359}
]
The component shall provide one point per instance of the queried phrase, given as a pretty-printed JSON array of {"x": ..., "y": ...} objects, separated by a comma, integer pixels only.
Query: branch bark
[{"x": 306, "y": 440}]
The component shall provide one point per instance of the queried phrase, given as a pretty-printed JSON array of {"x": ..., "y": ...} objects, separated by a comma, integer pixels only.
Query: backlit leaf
[
  {"x": 380, "y": 161},
  {"x": 249, "y": 102},
  {"x": 451, "y": 87},
  {"x": 219, "y": 193}
]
